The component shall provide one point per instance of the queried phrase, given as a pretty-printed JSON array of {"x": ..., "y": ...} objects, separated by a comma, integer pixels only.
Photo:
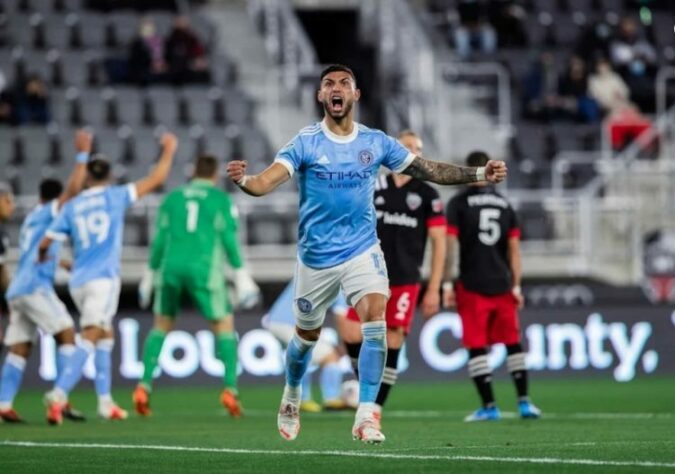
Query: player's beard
[{"x": 338, "y": 116}]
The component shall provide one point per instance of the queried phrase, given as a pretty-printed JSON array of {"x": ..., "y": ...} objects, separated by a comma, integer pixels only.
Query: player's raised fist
[
  {"x": 236, "y": 170},
  {"x": 495, "y": 171},
  {"x": 169, "y": 142},
  {"x": 83, "y": 141}
]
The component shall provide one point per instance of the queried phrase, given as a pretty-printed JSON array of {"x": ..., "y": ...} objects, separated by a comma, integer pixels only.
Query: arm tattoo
[{"x": 440, "y": 173}]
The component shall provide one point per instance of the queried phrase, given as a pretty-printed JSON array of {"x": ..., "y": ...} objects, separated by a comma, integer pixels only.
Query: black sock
[
  {"x": 389, "y": 377},
  {"x": 353, "y": 350},
  {"x": 479, "y": 371},
  {"x": 515, "y": 362}
]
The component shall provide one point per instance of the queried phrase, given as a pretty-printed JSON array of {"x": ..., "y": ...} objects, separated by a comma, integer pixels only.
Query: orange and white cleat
[
  {"x": 288, "y": 419},
  {"x": 54, "y": 405},
  {"x": 11, "y": 416},
  {"x": 110, "y": 411},
  {"x": 141, "y": 399},
  {"x": 368, "y": 431},
  {"x": 231, "y": 402}
]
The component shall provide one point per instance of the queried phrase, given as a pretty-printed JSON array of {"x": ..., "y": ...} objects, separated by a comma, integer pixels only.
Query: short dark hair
[
  {"x": 98, "y": 168},
  {"x": 477, "y": 158},
  {"x": 50, "y": 189},
  {"x": 335, "y": 68},
  {"x": 206, "y": 166}
]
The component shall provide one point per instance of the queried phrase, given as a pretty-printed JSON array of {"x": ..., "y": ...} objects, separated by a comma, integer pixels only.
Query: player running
[
  {"x": 487, "y": 291},
  {"x": 32, "y": 300},
  {"x": 337, "y": 161},
  {"x": 280, "y": 321},
  {"x": 196, "y": 232},
  {"x": 408, "y": 211},
  {"x": 94, "y": 222}
]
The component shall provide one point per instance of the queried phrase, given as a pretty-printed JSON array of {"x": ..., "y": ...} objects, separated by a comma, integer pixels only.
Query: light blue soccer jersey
[
  {"x": 31, "y": 276},
  {"x": 336, "y": 179},
  {"x": 94, "y": 222},
  {"x": 281, "y": 311}
]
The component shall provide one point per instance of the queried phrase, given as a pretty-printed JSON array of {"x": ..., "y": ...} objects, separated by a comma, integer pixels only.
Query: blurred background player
[
  {"x": 196, "y": 232},
  {"x": 31, "y": 297},
  {"x": 337, "y": 161},
  {"x": 6, "y": 211},
  {"x": 408, "y": 211},
  {"x": 280, "y": 321},
  {"x": 487, "y": 290},
  {"x": 94, "y": 223}
]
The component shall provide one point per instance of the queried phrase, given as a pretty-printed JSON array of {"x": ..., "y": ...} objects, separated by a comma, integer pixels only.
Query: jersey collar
[
  {"x": 340, "y": 138},
  {"x": 201, "y": 182},
  {"x": 93, "y": 190}
]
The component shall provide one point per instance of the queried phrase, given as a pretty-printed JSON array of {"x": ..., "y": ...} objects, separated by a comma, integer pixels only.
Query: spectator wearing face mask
[
  {"x": 185, "y": 54},
  {"x": 146, "y": 55}
]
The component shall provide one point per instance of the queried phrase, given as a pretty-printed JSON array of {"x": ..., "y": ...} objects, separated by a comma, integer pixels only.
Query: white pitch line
[{"x": 355, "y": 454}]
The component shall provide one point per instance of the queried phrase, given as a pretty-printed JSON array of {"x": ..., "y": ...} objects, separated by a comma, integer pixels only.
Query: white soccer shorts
[
  {"x": 284, "y": 333},
  {"x": 316, "y": 289},
  {"x": 97, "y": 302},
  {"x": 43, "y": 310}
]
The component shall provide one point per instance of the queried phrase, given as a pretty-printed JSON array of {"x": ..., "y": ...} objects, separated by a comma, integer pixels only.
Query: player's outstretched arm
[
  {"x": 445, "y": 173},
  {"x": 161, "y": 171},
  {"x": 260, "y": 184},
  {"x": 83, "y": 144}
]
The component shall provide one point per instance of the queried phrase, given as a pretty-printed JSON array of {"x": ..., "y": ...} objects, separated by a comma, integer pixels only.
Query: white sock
[
  {"x": 104, "y": 400},
  {"x": 365, "y": 410},
  {"x": 4, "y": 406},
  {"x": 292, "y": 394}
]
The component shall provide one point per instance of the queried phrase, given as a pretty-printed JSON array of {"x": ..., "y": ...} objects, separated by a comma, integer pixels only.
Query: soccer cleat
[
  {"x": 310, "y": 406},
  {"x": 54, "y": 409},
  {"x": 335, "y": 405},
  {"x": 368, "y": 431},
  {"x": 110, "y": 411},
  {"x": 141, "y": 399},
  {"x": 377, "y": 418},
  {"x": 528, "y": 410},
  {"x": 484, "y": 414},
  {"x": 231, "y": 402},
  {"x": 288, "y": 419},
  {"x": 11, "y": 416},
  {"x": 72, "y": 414}
]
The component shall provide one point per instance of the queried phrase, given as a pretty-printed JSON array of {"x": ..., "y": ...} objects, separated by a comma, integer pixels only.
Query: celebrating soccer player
[
  {"x": 32, "y": 300},
  {"x": 280, "y": 321},
  {"x": 196, "y": 229},
  {"x": 487, "y": 291},
  {"x": 94, "y": 222},
  {"x": 408, "y": 211},
  {"x": 336, "y": 162},
  {"x": 6, "y": 211}
]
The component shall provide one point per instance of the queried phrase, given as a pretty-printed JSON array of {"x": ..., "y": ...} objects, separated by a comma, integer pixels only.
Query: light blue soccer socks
[
  {"x": 331, "y": 381},
  {"x": 372, "y": 359},
  {"x": 298, "y": 356},
  {"x": 10, "y": 380},
  {"x": 103, "y": 364},
  {"x": 72, "y": 369},
  {"x": 62, "y": 353}
]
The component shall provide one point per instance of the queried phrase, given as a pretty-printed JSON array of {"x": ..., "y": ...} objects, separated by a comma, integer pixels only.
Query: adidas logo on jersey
[{"x": 324, "y": 160}]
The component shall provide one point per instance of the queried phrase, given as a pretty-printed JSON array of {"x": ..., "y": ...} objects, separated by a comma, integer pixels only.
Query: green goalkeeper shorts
[{"x": 212, "y": 302}]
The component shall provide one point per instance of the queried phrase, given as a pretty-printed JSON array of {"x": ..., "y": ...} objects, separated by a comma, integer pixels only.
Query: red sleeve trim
[
  {"x": 452, "y": 230},
  {"x": 515, "y": 232},
  {"x": 436, "y": 221}
]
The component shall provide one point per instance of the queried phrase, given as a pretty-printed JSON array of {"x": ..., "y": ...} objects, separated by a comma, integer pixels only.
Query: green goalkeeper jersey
[{"x": 196, "y": 230}]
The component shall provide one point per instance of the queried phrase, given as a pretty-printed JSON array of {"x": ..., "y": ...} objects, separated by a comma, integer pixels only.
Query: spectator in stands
[
  {"x": 146, "y": 55},
  {"x": 508, "y": 19},
  {"x": 5, "y": 101},
  {"x": 574, "y": 100},
  {"x": 473, "y": 31},
  {"x": 32, "y": 102},
  {"x": 607, "y": 88},
  {"x": 185, "y": 54},
  {"x": 540, "y": 88},
  {"x": 635, "y": 59}
]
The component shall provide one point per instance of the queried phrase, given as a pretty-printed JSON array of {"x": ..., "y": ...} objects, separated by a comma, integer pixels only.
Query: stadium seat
[
  {"x": 129, "y": 105},
  {"x": 163, "y": 101}
]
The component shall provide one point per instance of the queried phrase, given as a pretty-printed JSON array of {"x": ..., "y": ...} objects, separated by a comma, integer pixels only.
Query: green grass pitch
[{"x": 589, "y": 425}]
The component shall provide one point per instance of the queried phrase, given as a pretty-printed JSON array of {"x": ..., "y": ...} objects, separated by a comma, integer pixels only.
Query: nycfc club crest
[
  {"x": 413, "y": 200},
  {"x": 304, "y": 305},
  {"x": 365, "y": 157}
]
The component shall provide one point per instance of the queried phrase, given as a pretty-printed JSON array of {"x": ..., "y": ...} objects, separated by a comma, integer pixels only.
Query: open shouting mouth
[{"x": 337, "y": 103}]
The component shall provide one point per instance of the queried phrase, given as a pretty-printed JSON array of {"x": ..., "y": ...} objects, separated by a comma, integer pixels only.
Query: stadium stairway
[{"x": 258, "y": 75}]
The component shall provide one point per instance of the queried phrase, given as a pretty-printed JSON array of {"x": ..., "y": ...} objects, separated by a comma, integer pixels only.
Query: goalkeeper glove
[
  {"x": 145, "y": 289},
  {"x": 246, "y": 291}
]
